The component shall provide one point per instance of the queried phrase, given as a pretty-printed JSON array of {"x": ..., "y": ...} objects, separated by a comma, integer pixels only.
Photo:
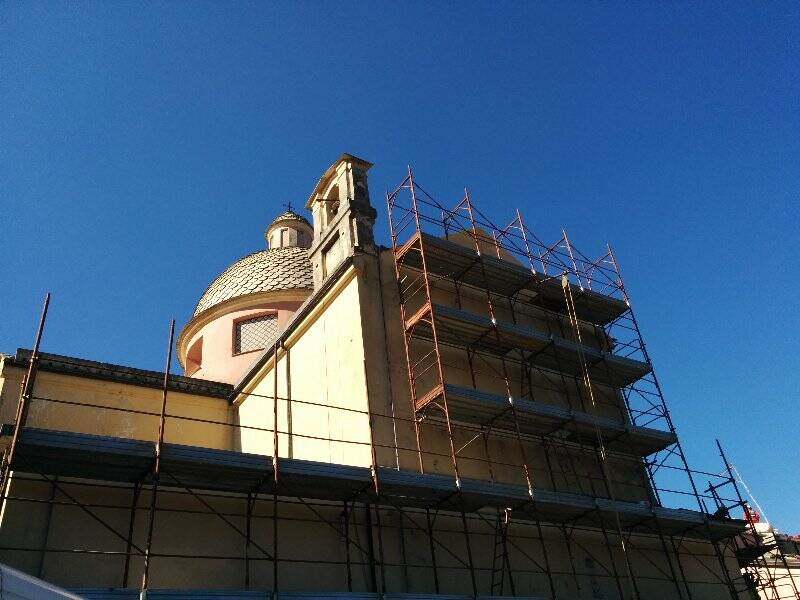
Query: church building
[{"x": 468, "y": 412}]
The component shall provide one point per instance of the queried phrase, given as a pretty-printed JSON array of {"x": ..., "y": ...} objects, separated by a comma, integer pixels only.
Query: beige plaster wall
[
  {"x": 322, "y": 400},
  {"x": 783, "y": 579}
]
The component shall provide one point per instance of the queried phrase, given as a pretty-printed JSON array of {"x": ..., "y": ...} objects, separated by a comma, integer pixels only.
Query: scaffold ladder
[{"x": 500, "y": 562}]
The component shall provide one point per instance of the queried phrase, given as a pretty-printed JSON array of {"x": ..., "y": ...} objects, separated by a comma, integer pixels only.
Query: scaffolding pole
[
  {"x": 157, "y": 467},
  {"x": 23, "y": 404}
]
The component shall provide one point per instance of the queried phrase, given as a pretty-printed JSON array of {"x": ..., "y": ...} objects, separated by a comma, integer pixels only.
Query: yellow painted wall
[
  {"x": 322, "y": 399},
  {"x": 105, "y": 408}
]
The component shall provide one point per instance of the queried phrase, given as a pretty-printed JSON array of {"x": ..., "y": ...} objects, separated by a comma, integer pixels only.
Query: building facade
[
  {"x": 468, "y": 412},
  {"x": 770, "y": 559}
]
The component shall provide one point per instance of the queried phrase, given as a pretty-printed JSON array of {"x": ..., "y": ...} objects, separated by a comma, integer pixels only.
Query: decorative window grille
[{"x": 254, "y": 334}]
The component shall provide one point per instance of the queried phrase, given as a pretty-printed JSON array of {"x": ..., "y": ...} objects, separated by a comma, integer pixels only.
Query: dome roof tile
[{"x": 265, "y": 271}]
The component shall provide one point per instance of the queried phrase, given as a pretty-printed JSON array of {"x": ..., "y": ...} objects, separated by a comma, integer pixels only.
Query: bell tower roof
[{"x": 330, "y": 174}]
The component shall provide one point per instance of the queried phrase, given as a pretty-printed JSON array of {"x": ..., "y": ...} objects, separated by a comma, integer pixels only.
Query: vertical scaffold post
[
  {"x": 346, "y": 527},
  {"x": 601, "y": 450},
  {"x": 373, "y": 579},
  {"x": 275, "y": 412},
  {"x": 372, "y": 451},
  {"x": 137, "y": 488},
  {"x": 506, "y": 379},
  {"x": 381, "y": 555},
  {"x": 248, "y": 536},
  {"x": 470, "y": 561},
  {"x": 659, "y": 392},
  {"x": 275, "y": 544},
  {"x": 394, "y": 233},
  {"x": 157, "y": 465},
  {"x": 575, "y": 269},
  {"x": 26, "y": 394},
  {"x": 434, "y": 335},
  {"x": 526, "y": 243},
  {"x": 275, "y": 470},
  {"x": 47, "y": 521},
  {"x": 432, "y": 549}
]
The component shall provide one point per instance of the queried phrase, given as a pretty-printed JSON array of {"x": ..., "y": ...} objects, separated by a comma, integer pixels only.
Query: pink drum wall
[{"x": 219, "y": 363}]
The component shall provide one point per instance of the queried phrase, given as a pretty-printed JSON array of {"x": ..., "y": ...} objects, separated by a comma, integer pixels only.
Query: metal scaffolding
[
  {"x": 438, "y": 249},
  {"x": 444, "y": 259},
  {"x": 764, "y": 564}
]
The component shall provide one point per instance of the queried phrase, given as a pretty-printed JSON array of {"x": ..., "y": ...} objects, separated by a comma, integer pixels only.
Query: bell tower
[{"x": 343, "y": 216}]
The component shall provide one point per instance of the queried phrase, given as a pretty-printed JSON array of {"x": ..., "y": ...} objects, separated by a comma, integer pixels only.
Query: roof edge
[{"x": 81, "y": 367}]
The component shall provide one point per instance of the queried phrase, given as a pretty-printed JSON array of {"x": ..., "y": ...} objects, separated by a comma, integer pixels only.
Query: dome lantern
[{"x": 289, "y": 230}]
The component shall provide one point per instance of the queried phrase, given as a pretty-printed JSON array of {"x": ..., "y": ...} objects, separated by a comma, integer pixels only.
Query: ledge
[
  {"x": 106, "y": 458},
  {"x": 481, "y": 408},
  {"x": 462, "y": 329},
  {"x": 448, "y": 259},
  {"x": 80, "y": 367}
]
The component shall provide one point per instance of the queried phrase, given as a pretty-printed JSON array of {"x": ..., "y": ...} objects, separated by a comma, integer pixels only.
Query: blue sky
[{"x": 144, "y": 147}]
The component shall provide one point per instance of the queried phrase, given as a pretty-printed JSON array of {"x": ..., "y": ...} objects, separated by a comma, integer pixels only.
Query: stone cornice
[{"x": 80, "y": 367}]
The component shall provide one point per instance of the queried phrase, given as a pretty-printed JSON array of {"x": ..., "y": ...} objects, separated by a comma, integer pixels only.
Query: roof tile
[{"x": 264, "y": 271}]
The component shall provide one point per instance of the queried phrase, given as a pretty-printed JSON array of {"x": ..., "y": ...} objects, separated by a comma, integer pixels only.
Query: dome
[
  {"x": 248, "y": 303},
  {"x": 286, "y": 268}
]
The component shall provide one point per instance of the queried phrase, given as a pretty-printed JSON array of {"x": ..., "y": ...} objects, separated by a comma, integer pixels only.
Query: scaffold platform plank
[
  {"x": 167, "y": 594},
  {"x": 445, "y": 258},
  {"x": 197, "y": 594},
  {"x": 459, "y": 328},
  {"x": 476, "y": 407},
  {"x": 105, "y": 458},
  {"x": 83, "y": 455},
  {"x": 322, "y": 481}
]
